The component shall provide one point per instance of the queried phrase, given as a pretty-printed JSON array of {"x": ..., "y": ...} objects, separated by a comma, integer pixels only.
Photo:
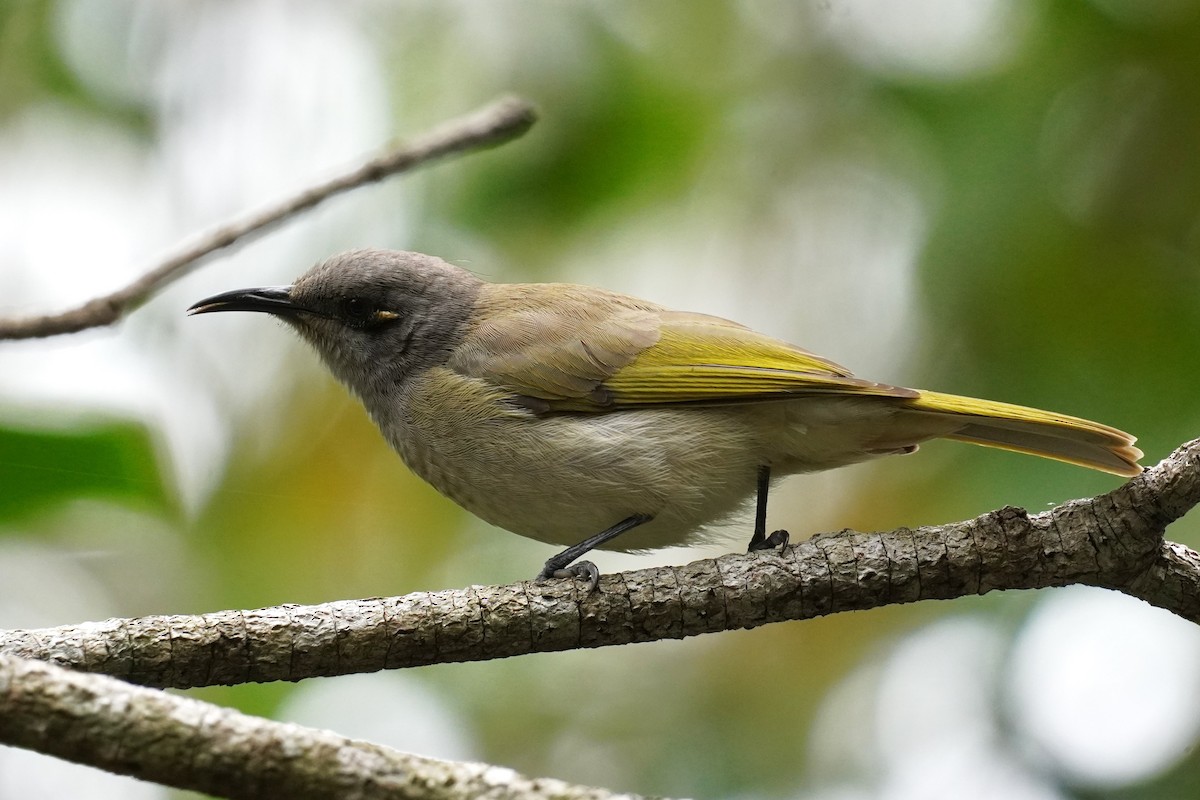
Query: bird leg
[
  {"x": 760, "y": 540},
  {"x": 557, "y": 566}
]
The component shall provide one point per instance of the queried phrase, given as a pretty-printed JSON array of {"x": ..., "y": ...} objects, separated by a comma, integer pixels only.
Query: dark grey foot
[
  {"x": 560, "y": 566},
  {"x": 760, "y": 540},
  {"x": 581, "y": 570},
  {"x": 779, "y": 539}
]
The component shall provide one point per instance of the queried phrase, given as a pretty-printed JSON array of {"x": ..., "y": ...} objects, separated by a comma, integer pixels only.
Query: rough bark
[
  {"x": 188, "y": 744},
  {"x": 1114, "y": 540}
]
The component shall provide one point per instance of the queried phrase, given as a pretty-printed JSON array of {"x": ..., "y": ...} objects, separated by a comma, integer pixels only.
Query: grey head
[{"x": 374, "y": 316}]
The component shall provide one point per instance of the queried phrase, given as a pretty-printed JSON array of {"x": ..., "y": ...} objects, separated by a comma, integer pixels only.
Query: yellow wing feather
[
  {"x": 575, "y": 348},
  {"x": 707, "y": 359}
]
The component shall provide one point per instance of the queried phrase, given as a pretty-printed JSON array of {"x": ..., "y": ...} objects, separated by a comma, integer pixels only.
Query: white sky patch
[
  {"x": 935, "y": 39},
  {"x": 920, "y": 723},
  {"x": 1106, "y": 686},
  {"x": 395, "y": 709}
]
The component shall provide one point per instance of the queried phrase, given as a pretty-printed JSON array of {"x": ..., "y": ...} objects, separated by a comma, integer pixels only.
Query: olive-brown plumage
[{"x": 559, "y": 411}]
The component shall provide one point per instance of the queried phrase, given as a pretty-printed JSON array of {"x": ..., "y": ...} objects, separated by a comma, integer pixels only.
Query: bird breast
[{"x": 563, "y": 477}]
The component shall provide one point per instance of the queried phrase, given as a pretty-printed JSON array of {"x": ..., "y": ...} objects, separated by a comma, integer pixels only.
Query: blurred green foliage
[{"x": 110, "y": 461}]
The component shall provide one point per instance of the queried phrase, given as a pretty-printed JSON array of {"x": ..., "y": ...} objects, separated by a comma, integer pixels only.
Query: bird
[{"x": 590, "y": 419}]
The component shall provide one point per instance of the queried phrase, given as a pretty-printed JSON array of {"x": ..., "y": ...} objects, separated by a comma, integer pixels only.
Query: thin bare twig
[
  {"x": 494, "y": 124},
  {"x": 189, "y": 744}
]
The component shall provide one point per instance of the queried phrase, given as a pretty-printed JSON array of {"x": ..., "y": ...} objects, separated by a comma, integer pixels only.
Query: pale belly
[
  {"x": 563, "y": 478},
  {"x": 560, "y": 479}
]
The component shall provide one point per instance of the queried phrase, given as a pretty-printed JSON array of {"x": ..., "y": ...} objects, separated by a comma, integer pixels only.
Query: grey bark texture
[
  {"x": 188, "y": 744},
  {"x": 1114, "y": 540}
]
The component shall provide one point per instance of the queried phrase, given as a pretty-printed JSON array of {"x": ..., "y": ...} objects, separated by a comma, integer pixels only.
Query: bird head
[{"x": 374, "y": 316}]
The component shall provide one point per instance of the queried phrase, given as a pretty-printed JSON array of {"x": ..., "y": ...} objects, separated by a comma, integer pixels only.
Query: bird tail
[{"x": 1030, "y": 430}]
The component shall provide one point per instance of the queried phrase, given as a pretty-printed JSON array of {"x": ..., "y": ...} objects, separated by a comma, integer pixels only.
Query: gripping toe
[{"x": 581, "y": 570}]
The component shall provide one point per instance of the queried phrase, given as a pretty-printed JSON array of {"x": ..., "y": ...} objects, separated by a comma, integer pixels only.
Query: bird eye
[{"x": 357, "y": 311}]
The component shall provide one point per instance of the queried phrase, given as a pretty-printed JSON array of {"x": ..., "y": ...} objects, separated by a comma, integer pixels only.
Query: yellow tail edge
[{"x": 1048, "y": 434}]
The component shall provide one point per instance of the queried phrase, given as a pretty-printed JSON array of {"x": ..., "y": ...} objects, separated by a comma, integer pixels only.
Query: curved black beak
[{"x": 268, "y": 299}]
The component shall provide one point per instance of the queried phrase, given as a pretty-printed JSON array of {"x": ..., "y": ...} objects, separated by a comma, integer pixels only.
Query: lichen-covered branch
[
  {"x": 499, "y": 122},
  {"x": 189, "y": 744},
  {"x": 1114, "y": 540}
]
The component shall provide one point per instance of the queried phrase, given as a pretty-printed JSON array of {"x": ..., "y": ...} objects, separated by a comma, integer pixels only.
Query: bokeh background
[{"x": 989, "y": 197}]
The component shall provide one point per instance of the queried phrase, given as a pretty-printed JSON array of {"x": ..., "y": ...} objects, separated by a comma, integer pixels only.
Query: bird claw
[
  {"x": 582, "y": 570},
  {"x": 779, "y": 539}
]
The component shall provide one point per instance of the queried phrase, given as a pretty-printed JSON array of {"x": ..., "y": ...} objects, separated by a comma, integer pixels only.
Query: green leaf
[{"x": 110, "y": 460}]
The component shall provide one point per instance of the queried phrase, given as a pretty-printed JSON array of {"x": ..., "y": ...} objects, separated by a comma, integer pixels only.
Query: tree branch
[
  {"x": 1113, "y": 540},
  {"x": 499, "y": 122},
  {"x": 189, "y": 744}
]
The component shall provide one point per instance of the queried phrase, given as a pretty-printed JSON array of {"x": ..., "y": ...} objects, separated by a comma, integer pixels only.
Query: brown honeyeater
[{"x": 591, "y": 419}]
